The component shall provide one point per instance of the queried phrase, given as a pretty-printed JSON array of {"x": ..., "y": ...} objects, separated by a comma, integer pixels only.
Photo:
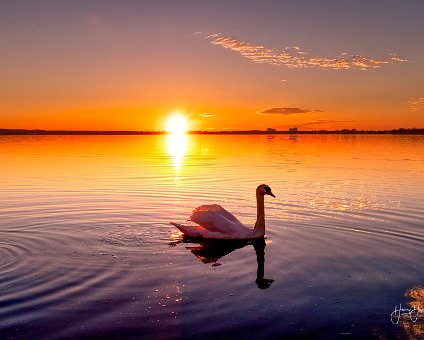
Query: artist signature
[{"x": 412, "y": 313}]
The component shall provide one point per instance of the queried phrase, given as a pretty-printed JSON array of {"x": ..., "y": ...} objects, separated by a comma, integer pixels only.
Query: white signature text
[{"x": 412, "y": 313}]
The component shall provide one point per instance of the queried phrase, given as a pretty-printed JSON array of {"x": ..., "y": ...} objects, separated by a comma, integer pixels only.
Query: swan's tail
[
  {"x": 179, "y": 226},
  {"x": 189, "y": 230}
]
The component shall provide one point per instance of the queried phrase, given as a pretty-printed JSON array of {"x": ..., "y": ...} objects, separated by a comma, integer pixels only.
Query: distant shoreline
[{"x": 235, "y": 132}]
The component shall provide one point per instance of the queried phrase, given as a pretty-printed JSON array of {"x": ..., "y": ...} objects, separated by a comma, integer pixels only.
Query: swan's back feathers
[
  {"x": 216, "y": 219},
  {"x": 219, "y": 210}
]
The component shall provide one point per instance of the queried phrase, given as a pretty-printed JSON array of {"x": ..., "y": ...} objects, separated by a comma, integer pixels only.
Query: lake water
[{"x": 86, "y": 249}]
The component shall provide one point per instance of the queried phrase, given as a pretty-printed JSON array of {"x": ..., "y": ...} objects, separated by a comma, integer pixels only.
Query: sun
[{"x": 177, "y": 124}]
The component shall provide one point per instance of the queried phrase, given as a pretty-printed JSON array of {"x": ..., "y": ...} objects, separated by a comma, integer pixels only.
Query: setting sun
[{"x": 177, "y": 124}]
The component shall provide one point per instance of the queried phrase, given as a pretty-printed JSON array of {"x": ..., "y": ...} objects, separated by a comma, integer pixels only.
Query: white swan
[{"x": 217, "y": 223}]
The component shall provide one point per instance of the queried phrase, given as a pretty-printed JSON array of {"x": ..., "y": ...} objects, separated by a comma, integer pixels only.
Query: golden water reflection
[
  {"x": 414, "y": 328},
  {"x": 177, "y": 147}
]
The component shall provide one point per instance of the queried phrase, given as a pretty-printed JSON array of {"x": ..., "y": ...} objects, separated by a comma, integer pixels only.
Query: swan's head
[{"x": 264, "y": 189}]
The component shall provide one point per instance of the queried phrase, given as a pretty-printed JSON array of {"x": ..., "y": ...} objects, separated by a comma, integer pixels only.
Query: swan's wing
[
  {"x": 219, "y": 210},
  {"x": 217, "y": 219}
]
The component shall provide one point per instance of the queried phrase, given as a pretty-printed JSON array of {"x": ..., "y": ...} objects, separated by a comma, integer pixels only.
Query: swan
[{"x": 214, "y": 222}]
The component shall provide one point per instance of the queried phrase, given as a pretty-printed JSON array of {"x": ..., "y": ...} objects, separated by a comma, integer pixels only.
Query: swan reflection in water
[{"x": 211, "y": 250}]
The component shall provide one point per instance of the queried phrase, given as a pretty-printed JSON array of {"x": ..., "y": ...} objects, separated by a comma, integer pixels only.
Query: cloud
[
  {"x": 215, "y": 35},
  {"x": 206, "y": 115},
  {"x": 295, "y": 57},
  {"x": 416, "y": 104},
  {"x": 286, "y": 111},
  {"x": 323, "y": 121}
]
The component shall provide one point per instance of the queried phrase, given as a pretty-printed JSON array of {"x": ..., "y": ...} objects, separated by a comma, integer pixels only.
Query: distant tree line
[
  {"x": 293, "y": 130},
  {"x": 74, "y": 132}
]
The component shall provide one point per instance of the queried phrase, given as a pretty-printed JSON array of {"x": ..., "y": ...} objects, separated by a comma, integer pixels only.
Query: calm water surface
[{"x": 86, "y": 249}]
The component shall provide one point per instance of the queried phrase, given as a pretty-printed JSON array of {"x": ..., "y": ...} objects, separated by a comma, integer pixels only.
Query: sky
[{"x": 223, "y": 64}]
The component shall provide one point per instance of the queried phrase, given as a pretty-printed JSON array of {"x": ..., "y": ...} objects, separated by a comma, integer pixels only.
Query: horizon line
[{"x": 207, "y": 132}]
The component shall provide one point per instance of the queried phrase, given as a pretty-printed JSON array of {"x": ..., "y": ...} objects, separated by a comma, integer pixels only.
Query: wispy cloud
[
  {"x": 416, "y": 104},
  {"x": 206, "y": 115},
  {"x": 286, "y": 111},
  {"x": 323, "y": 121},
  {"x": 295, "y": 57}
]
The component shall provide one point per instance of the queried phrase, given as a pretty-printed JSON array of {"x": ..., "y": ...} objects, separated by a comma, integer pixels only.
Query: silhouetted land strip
[
  {"x": 75, "y": 132},
  {"x": 235, "y": 132},
  {"x": 315, "y": 132}
]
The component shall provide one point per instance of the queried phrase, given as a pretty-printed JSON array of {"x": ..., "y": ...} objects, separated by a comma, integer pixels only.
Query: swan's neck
[{"x": 259, "y": 230}]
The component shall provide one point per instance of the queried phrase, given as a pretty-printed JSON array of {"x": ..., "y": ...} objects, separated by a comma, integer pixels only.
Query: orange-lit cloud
[
  {"x": 286, "y": 111},
  {"x": 206, "y": 115},
  {"x": 416, "y": 104},
  {"x": 294, "y": 57},
  {"x": 323, "y": 121}
]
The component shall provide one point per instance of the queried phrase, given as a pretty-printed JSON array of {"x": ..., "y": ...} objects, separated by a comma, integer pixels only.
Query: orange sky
[{"x": 240, "y": 65}]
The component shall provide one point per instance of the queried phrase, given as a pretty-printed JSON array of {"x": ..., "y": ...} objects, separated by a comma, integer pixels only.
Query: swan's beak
[{"x": 267, "y": 190}]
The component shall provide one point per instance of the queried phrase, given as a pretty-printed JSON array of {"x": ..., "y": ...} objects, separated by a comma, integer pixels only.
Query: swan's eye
[{"x": 267, "y": 189}]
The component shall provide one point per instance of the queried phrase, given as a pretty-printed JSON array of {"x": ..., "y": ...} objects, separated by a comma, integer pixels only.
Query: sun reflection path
[{"x": 177, "y": 148}]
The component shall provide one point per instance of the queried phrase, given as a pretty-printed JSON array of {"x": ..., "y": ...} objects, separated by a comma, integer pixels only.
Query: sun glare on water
[{"x": 177, "y": 124}]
